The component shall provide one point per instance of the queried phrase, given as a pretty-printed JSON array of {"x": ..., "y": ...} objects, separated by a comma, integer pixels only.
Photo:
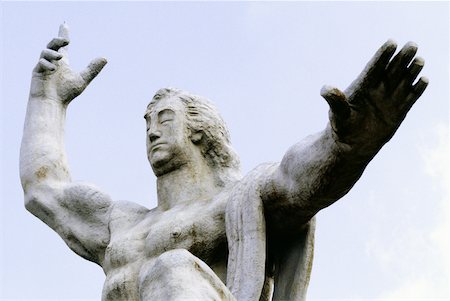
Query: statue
[{"x": 214, "y": 235}]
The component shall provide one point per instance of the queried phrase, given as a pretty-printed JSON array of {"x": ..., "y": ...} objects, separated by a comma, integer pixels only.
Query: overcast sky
[{"x": 263, "y": 65}]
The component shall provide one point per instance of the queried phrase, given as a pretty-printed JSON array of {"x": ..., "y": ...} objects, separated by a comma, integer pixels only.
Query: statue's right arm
[{"x": 79, "y": 213}]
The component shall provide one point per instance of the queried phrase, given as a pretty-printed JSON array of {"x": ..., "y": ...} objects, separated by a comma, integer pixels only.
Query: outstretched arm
[
  {"x": 78, "y": 212},
  {"x": 319, "y": 170}
]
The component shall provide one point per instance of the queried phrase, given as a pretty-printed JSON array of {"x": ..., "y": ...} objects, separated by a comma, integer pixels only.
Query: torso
[{"x": 139, "y": 236}]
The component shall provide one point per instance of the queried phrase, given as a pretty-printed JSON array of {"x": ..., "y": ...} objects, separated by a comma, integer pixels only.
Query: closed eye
[{"x": 165, "y": 116}]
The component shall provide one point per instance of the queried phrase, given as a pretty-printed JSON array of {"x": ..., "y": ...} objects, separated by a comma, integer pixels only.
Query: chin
[
  {"x": 159, "y": 166},
  {"x": 159, "y": 158},
  {"x": 166, "y": 165},
  {"x": 162, "y": 166}
]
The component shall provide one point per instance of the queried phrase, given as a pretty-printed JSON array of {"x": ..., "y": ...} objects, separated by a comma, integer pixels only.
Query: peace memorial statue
[{"x": 214, "y": 234}]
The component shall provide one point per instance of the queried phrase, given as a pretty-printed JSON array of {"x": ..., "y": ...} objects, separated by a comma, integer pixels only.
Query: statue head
[{"x": 203, "y": 126}]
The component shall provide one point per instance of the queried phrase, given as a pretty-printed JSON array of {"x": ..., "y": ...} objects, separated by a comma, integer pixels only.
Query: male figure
[{"x": 214, "y": 235}]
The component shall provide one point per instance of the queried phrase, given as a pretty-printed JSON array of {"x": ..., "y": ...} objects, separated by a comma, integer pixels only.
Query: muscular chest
[{"x": 198, "y": 228}]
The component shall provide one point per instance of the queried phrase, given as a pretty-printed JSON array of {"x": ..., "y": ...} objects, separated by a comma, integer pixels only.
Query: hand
[
  {"x": 54, "y": 79},
  {"x": 369, "y": 112}
]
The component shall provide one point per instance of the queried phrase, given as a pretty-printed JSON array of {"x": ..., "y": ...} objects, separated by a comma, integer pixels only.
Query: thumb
[
  {"x": 336, "y": 100},
  {"x": 93, "y": 69}
]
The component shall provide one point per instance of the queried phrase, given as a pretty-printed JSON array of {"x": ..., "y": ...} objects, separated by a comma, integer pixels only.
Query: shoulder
[
  {"x": 85, "y": 191},
  {"x": 258, "y": 176},
  {"x": 126, "y": 207},
  {"x": 127, "y": 213}
]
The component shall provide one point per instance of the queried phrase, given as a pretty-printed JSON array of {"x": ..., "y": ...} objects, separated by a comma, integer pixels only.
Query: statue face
[{"x": 168, "y": 142}]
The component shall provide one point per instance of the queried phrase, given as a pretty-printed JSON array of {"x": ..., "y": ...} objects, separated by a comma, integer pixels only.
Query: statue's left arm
[{"x": 319, "y": 170}]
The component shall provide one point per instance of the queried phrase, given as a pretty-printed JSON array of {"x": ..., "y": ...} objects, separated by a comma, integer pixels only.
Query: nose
[{"x": 154, "y": 135}]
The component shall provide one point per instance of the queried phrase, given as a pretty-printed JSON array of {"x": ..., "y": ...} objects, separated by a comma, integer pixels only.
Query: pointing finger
[
  {"x": 93, "y": 69},
  {"x": 63, "y": 31},
  {"x": 64, "y": 34}
]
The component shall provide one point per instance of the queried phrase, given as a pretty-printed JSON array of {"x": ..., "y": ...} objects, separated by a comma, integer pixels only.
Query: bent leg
[{"x": 179, "y": 275}]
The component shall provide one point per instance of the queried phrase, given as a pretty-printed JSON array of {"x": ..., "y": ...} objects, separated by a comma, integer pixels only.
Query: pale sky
[{"x": 262, "y": 64}]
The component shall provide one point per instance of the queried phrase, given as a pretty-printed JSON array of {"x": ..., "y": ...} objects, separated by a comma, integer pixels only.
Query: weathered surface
[{"x": 214, "y": 234}]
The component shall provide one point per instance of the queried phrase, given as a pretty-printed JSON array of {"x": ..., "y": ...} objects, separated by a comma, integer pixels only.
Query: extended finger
[
  {"x": 93, "y": 69},
  {"x": 400, "y": 62},
  {"x": 420, "y": 86},
  {"x": 413, "y": 70},
  {"x": 415, "y": 93},
  {"x": 415, "y": 67},
  {"x": 44, "y": 65},
  {"x": 381, "y": 58},
  {"x": 63, "y": 31},
  {"x": 51, "y": 55},
  {"x": 57, "y": 43}
]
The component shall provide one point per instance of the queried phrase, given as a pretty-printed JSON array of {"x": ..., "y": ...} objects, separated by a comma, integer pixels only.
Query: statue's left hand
[{"x": 368, "y": 113}]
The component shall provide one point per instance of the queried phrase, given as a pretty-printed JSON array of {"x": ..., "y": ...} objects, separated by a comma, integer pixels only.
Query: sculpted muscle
[
  {"x": 214, "y": 234},
  {"x": 78, "y": 212}
]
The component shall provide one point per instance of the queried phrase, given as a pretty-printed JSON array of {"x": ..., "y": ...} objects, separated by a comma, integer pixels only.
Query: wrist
[
  {"x": 359, "y": 149},
  {"x": 47, "y": 100},
  {"x": 45, "y": 114}
]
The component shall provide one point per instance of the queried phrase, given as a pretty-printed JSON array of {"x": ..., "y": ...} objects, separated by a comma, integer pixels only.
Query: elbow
[
  {"x": 38, "y": 201},
  {"x": 31, "y": 194},
  {"x": 30, "y": 198},
  {"x": 33, "y": 201},
  {"x": 39, "y": 189},
  {"x": 30, "y": 203}
]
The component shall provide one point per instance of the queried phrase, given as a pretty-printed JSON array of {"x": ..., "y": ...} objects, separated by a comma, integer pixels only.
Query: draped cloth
[{"x": 250, "y": 275}]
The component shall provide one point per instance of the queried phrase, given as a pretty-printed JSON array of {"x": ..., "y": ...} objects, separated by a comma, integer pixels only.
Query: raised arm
[
  {"x": 321, "y": 169},
  {"x": 79, "y": 213}
]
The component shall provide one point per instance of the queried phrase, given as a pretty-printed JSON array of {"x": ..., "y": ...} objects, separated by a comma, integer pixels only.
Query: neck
[{"x": 191, "y": 182}]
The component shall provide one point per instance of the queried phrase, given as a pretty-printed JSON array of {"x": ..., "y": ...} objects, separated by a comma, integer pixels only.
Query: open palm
[{"x": 367, "y": 114}]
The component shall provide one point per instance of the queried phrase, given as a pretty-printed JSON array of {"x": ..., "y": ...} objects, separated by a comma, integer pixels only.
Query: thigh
[{"x": 179, "y": 275}]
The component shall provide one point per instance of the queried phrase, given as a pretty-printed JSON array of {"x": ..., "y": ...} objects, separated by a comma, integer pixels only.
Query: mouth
[{"x": 156, "y": 146}]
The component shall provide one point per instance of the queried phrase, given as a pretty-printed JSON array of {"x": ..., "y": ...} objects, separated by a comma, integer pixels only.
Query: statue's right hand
[{"x": 54, "y": 79}]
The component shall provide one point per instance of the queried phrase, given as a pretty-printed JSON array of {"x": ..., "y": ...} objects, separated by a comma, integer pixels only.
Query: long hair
[{"x": 202, "y": 116}]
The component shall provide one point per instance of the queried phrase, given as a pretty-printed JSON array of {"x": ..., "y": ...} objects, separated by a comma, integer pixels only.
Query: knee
[
  {"x": 173, "y": 260},
  {"x": 178, "y": 275},
  {"x": 165, "y": 276},
  {"x": 168, "y": 263}
]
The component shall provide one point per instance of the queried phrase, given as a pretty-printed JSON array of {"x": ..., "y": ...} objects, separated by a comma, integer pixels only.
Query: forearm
[
  {"x": 320, "y": 170},
  {"x": 53, "y": 86},
  {"x": 42, "y": 154},
  {"x": 334, "y": 169}
]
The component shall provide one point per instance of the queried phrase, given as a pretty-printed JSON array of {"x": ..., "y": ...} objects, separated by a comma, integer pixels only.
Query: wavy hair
[{"x": 202, "y": 116}]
